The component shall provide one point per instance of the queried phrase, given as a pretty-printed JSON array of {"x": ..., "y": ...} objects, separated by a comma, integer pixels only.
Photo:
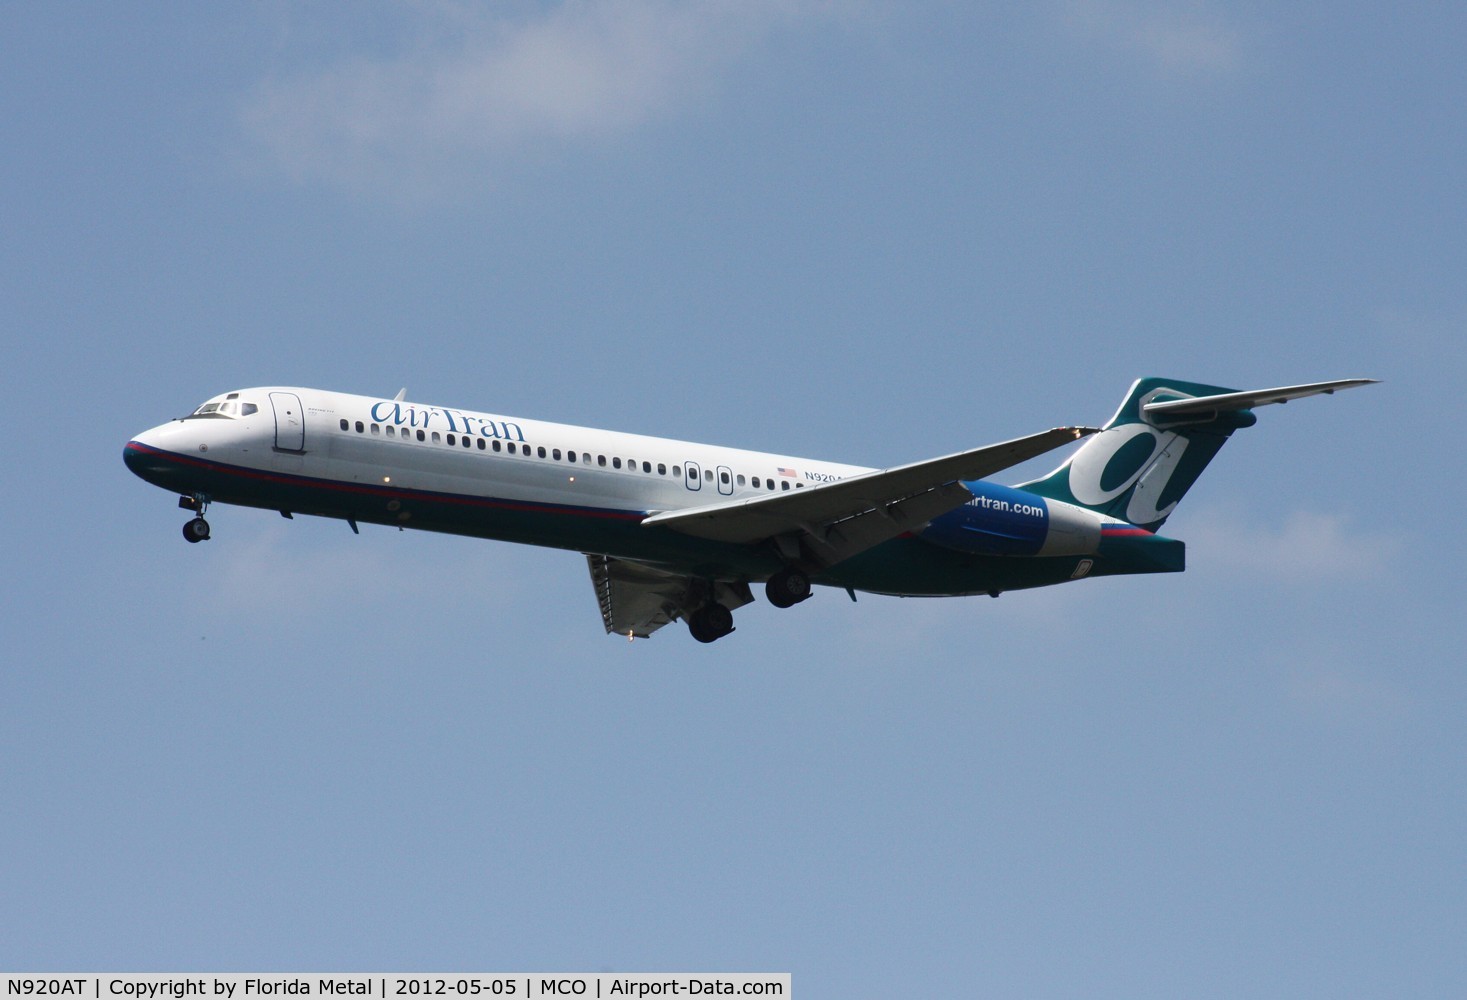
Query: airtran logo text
[
  {"x": 1007, "y": 506},
  {"x": 453, "y": 421}
]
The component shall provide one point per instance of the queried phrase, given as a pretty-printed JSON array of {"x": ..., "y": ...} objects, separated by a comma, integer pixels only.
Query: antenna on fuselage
[{"x": 401, "y": 395}]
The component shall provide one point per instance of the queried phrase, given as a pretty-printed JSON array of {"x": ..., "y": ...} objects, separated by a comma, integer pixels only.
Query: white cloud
[
  {"x": 446, "y": 109},
  {"x": 1176, "y": 38},
  {"x": 1304, "y": 546}
]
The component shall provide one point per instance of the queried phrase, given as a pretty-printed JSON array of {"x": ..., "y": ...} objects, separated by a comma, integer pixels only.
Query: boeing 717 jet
[{"x": 677, "y": 531}]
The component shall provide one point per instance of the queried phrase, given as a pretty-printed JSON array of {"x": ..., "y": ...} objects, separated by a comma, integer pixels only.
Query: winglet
[{"x": 401, "y": 395}]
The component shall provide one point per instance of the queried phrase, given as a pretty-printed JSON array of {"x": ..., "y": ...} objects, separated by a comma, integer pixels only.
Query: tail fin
[{"x": 1152, "y": 451}]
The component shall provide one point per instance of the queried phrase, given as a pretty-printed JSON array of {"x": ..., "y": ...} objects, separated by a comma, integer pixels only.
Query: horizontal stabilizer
[{"x": 1229, "y": 401}]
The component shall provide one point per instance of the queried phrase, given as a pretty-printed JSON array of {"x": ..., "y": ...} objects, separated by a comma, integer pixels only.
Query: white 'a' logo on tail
[{"x": 1150, "y": 475}]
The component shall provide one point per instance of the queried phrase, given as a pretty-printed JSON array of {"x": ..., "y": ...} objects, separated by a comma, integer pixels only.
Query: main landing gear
[
  {"x": 196, "y": 530},
  {"x": 787, "y": 588},
  {"x": 711, "y": 621}
]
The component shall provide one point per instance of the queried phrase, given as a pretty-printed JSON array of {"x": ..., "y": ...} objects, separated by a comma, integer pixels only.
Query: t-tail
[{"x": 1145, "y": 459}]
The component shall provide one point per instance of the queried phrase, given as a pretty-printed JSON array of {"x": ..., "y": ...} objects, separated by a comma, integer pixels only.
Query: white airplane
[{"x": 679, "y": 531}]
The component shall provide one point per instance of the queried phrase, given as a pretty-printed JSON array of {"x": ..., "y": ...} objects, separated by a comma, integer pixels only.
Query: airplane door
[
  {"x": 694, "y": 480},
  {"x": 725, "y": 480},
  {"x": 290, "y": 421}
]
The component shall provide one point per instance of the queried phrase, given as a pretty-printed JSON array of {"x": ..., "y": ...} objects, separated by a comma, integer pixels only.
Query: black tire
[
  {"x": 698, "y": 631},
  {"x": 196, "y": 530},
  {"x": 787, "y": 588},
  {"x": 719, "y": 619},
  {"x": 710, "y": 622}
]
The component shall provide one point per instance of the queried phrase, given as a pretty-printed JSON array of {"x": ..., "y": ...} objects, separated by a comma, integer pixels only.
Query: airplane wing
[
  {"x": 638, "y": 599},
  {"x": 840, "y": 519}
]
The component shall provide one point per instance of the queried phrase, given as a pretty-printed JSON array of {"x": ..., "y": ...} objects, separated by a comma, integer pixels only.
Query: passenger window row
[{"x": 581, "y": 458}]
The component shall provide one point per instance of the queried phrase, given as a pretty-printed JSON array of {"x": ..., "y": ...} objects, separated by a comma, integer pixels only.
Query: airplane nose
[{"x": 146, "y": 458}]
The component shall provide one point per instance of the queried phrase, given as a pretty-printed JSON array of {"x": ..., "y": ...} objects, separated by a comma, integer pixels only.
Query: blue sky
[{"x": 859, "y": 231}]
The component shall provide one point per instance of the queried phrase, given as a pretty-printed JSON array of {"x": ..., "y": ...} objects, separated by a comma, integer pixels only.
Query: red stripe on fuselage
[{"x": 362, "y": 489}]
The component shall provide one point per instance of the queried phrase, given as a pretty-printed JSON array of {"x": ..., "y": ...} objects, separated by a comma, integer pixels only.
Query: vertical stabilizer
[
  {"x": 1152, "y": 451},
  {"x": 1139, "y": 466}
]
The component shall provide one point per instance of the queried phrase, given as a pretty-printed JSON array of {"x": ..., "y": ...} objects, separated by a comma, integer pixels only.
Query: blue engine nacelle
[{"x": 1003, "y": 521}]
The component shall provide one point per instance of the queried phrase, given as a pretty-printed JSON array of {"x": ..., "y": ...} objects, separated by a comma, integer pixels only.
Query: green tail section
[{"x": 1140, "y": 465}]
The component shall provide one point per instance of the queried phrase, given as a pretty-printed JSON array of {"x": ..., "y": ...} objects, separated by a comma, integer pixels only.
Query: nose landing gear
[{"x": 196, "y": 530}]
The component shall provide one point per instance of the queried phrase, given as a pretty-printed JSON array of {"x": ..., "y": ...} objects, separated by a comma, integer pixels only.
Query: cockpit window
[{"x": 228, "y": 408}]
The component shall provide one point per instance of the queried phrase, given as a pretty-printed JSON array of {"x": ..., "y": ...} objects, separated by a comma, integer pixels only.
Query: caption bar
[{"x": 395, "y": 986}]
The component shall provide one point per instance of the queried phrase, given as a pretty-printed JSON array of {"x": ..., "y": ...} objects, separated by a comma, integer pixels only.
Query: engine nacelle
[{"x": 1003, "y": 521}]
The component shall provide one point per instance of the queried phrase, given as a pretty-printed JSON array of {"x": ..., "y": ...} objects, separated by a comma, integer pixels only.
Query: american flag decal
[{"x": 788, "y": 472}]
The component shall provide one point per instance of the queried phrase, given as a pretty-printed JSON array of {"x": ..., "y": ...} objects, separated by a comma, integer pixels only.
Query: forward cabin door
[{"x": 290, "y": 422}]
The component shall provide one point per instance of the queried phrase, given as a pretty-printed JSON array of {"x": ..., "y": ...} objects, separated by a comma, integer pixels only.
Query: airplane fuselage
[
  {"x": 390, "y": 462},
  {"x": 677, "y": 531}
]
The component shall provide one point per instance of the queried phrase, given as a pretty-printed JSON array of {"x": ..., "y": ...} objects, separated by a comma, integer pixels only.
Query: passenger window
[
  {"x": 570, "y": 456},
  {"x": 754, "y": 482},
  {"x": 601, "y": 460},
  {"x": 708, "y": 474},
  {"x": 540, "y": 451},
  {"x": 723, "y": 478},
  {"x": 376, "y": 429},
  {"x": 741, "y": 479},
  {"x": 555, "y": 454},
  {"x": 451, "y": 439},
  {"x": 420, "y": 436},
  {"x": 467, "y": 442},
  {"x": 511, "y": 448},
  {"x": 585, "y": 458},
  {"x": 784, "y": 485},
  {"x": 647, "y": 467},
  {"x": 496, "y": 445},
  {"x": 436, "y": 438},
  {"x": 677, "y": 470},
  {"x": 359, "y": 427},
  {"x": 480, "y": 443},
  {"x": 661, "y": 468},
  {"x": 615, "y": 463},
  {"x": 345, "y": 426}
]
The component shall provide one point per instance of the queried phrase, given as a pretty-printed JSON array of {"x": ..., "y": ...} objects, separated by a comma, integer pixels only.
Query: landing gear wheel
[
  {"x": 196, "y": 530},
  {"x": 787, "y": 588},
  {"x": 710, "y": 622}
]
